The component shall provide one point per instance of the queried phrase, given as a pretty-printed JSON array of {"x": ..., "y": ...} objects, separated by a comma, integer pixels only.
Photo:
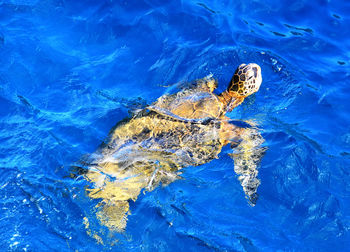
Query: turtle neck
[{"x": 230, "y": 99}]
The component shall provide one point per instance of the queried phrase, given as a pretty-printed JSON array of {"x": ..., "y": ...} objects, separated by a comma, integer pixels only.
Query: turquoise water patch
[{"x": 70, "y": 70}]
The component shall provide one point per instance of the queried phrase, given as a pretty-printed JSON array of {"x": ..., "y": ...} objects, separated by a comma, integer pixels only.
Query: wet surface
[{"x": 71, "y": 70}]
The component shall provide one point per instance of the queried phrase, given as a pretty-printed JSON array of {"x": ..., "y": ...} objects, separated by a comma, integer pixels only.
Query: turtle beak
[{"x": 257, "y": 75}]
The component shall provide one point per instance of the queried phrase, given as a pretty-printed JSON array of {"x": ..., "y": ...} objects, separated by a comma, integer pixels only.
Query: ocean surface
[{"x": 70, "y": 70}]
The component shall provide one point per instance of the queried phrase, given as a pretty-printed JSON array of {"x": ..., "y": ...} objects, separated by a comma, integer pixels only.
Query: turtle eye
[{"x": 255, "y": 72}]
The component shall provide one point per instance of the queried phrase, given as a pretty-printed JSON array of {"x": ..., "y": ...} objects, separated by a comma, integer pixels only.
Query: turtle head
[{"x": 246, "y": 80}]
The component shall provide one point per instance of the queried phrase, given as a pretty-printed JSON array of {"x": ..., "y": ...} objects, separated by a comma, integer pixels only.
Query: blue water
[{"x": 70, "y": 70}]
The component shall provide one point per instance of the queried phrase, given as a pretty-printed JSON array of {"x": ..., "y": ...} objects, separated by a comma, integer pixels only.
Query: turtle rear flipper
[{"x": 114, "y": 215}]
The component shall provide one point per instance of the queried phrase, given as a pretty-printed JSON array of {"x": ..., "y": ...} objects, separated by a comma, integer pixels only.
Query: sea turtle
[{"x": 188, "y": 128}]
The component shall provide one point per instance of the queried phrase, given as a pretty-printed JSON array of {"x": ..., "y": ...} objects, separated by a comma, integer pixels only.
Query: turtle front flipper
[
  {"x": 169, "y": 113},
  {"x": 247, "y": 156},
  {"x": 187, "y": 98},
  {"x": 206, "y": 84}
]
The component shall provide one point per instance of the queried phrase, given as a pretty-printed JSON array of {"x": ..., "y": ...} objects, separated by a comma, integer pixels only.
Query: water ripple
[{"x": 71, "y": 70}]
